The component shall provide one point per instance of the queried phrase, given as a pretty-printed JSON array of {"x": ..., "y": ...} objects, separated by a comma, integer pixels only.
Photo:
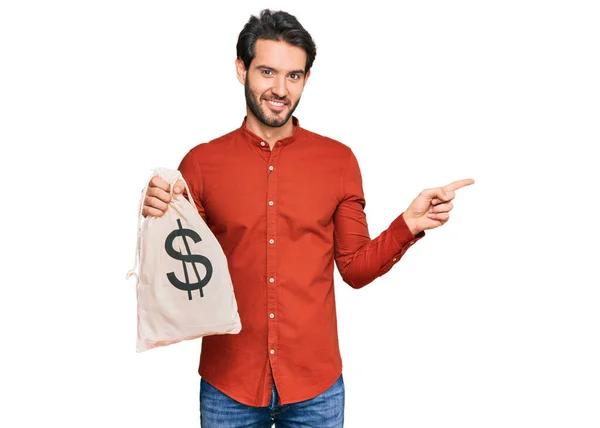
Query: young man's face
[{"x": 274, "y": 81}]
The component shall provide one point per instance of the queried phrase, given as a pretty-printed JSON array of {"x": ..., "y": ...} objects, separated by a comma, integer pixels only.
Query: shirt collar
[{"x": 255, "y": 140}]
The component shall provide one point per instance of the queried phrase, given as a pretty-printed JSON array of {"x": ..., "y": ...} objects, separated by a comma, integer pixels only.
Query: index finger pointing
[{"x": 458, "y": 184}]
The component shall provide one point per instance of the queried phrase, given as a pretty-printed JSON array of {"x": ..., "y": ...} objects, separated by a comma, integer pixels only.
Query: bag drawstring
[
  {"x": 189, "y": 198},
  {"x": 132, "y": 271}
]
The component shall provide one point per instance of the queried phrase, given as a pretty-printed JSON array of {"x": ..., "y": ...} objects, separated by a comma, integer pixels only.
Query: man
[{"x": 285, "y": 204}]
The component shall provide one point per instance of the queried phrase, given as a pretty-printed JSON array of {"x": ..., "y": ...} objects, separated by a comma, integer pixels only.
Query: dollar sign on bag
[{"x": 187, "y": 258}]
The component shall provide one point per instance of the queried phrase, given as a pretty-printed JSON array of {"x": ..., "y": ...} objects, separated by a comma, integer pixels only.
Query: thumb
[
  {"x": 178, "y": 187},
  {"x": 436, "y": 192}
]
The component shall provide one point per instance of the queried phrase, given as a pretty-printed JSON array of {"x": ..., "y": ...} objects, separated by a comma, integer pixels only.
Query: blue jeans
[{"x": 326, "y": 410}]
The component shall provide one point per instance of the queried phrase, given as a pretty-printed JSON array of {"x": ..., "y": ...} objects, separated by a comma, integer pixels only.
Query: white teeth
[{"x": 276, "y": 103}]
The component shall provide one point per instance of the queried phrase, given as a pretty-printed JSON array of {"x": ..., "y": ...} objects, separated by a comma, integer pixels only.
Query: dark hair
[{"x": 279, "y": 26}]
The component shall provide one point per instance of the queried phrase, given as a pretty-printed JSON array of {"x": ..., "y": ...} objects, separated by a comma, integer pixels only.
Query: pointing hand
[{"x": 432, "y": 207}]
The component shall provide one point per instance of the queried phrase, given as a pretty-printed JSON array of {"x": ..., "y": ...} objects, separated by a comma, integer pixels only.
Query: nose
[{"x": 280, "y": 87}]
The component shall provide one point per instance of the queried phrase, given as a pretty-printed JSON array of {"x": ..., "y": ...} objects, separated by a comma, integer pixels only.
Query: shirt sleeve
[
  {"x": 190, "y": 170},
  {"x": 360, "y": 259}
]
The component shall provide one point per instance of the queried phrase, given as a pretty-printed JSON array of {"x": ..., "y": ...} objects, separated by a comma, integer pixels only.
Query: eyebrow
[{"x": 266, "y": 67}]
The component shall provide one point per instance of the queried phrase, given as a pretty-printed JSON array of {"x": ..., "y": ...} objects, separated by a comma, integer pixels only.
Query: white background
[{"x": 490, "y": 321}]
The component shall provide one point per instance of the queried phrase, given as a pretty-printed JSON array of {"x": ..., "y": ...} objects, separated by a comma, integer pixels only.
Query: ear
[
  {"x": 306, "y": 76},
  {"x": 240, "y": 69}
]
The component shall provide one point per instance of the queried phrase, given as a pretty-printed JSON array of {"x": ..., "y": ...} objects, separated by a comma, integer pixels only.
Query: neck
[{"x": 269, "y": 133}]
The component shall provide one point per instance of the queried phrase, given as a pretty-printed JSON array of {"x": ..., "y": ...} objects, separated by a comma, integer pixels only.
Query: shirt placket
[{"x": 271, "y": 244}]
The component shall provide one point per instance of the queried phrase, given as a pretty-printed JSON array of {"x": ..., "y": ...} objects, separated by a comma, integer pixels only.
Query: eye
[
  {"x": 267, "y": 72},
  {"x": 294, "y": 76}
]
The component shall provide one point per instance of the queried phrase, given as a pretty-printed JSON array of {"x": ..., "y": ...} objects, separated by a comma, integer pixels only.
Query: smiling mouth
[{"x": 276, "y": 104}]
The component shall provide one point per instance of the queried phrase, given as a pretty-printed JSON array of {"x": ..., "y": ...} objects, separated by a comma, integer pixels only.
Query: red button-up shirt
[{"x": 282, "y": 217}]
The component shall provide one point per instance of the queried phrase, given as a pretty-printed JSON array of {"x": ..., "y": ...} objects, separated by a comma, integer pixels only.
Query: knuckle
[
  {"x": 156, "y": 203},
  {"x": 151, "y": 191},
  {"x": 158, "y": 183}
]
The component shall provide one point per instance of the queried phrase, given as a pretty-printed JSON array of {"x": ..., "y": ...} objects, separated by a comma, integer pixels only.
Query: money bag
[{"x": 184, "y": 289}]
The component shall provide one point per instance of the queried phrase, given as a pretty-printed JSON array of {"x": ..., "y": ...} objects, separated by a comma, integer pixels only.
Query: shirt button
[
  {"x": 271, "y": 241},
  {"x": 394, "y": 259},
  {"x": 271, "y": 168},
  {"x": 271, "y": 203},
  {"x": 271, "y": 279},
  {"x": 272, "y": 351},
  {"x": 272, "y": 315},
  {"x": 262, "y": 143}
]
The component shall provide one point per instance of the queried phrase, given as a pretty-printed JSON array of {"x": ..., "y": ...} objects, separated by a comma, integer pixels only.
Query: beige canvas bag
[{"x": 184, "y": 290}]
